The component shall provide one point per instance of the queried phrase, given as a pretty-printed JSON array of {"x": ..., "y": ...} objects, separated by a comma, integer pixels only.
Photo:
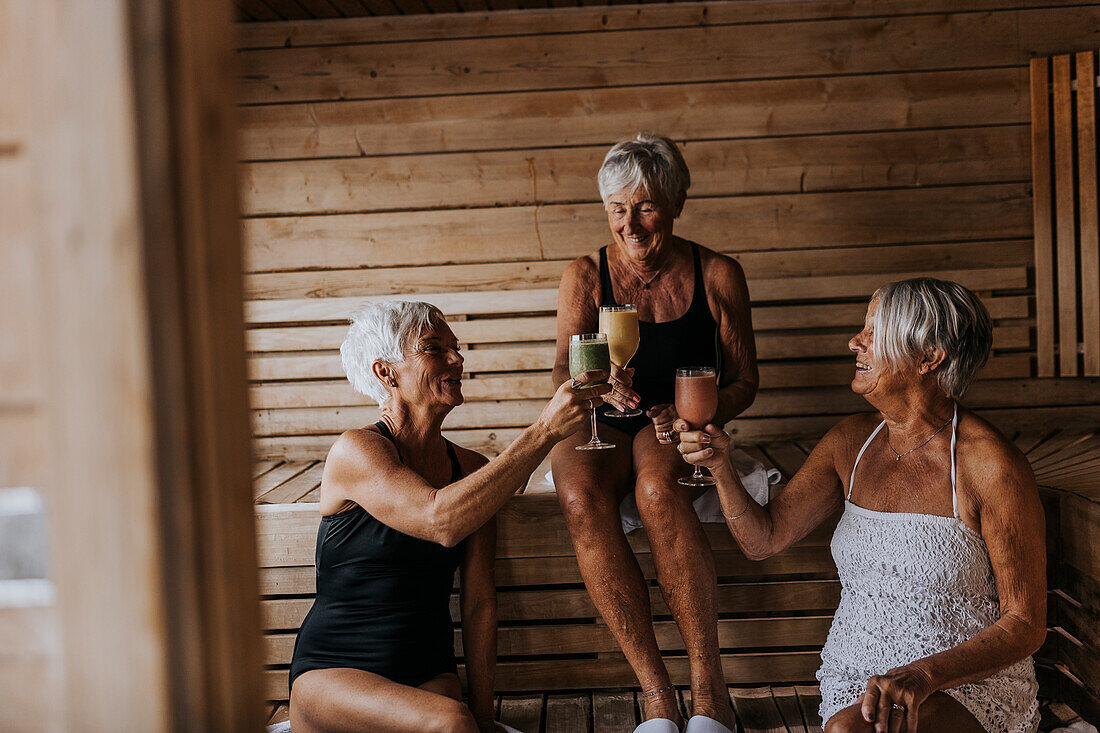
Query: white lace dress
[{"x": 913, "y": 585}]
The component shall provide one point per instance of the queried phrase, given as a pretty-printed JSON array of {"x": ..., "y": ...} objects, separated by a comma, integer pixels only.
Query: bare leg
[
  {"x": 589, "y": 485},
  {"x": 685, "y": 568},
  {"x": 350, "y": 701},
  {"x": 939, "y": 713}
]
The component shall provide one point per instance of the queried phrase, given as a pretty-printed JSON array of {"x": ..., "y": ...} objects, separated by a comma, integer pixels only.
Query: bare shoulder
[
  {"x": 720, "y": 269},
  {"x": 469, "y": 460},
  {"x": 988, "y": 462},
  {"x": 581, "y": 272},
  {"x": 357, "y": 448},
  {"x": 844, "y": 439}
]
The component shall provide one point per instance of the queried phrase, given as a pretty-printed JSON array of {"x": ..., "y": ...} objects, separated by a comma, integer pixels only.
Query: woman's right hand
[
  {"x": 569, "y": 409},
  {"x": 621, "y": 396},
  {"x": 709, "y": 447}
]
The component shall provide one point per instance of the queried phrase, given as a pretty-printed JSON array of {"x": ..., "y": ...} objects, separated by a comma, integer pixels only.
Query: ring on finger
[
  {"x": 896, "y": 706},
  {"x": 575, "y": 384}
]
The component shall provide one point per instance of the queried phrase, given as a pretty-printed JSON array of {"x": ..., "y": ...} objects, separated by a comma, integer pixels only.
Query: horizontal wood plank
[
  {"x": 750, "y": 668},
  {"x": 505, "y": 20},
  {"x": 537, "y": 385},
  {"x": 765, "y": 290},
  {"x": 565, "y": 231},
  {"x": 512, "y": 641},
  {"x": 424, "y": 68},
  {"x": 602, "y": 116},
  {"x": 832, "y": 162},
  {"x": 521, "y": 275}
]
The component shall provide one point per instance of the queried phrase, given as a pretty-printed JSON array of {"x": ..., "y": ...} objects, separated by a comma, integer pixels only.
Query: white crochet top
[{"x": 913, "y": 585}]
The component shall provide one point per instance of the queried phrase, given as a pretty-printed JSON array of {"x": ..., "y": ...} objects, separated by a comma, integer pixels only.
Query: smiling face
[
  {"x": 640, "y": 222},
  {"x": 431, "y": 373},
  {"x": 871, "y": 375}
]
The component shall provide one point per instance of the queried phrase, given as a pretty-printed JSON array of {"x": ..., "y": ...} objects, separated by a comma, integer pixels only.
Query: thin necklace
[
  {"x": 901, "y": 455},
  {"x": 645, "y": 283}
]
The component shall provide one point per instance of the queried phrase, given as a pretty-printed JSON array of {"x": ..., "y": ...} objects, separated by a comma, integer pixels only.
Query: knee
[
  {"x": 848, "y": 720},
  {"x": 455, "y": 718},
  {"x": 586, "y": 508},
  {"x": 657, "y": 496}
]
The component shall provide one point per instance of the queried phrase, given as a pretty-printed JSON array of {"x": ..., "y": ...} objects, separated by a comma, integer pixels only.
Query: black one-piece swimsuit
[
  {"x": 383, "y": 599},
  {"x": 688, "y": 341}
]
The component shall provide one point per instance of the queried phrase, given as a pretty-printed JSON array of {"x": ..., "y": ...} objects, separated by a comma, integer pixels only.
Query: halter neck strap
[
  {"x": 852, "y": 480},
  {"x": 954, "y": 441}
]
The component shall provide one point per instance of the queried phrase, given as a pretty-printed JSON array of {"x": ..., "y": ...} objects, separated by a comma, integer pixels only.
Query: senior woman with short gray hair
[
  {"x": 693, "y": 311},
  {"x": 940, "y": 547},
  {"x": 402, "y": 508}
]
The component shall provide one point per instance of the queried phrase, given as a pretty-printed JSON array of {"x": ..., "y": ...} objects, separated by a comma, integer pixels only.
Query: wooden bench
[{"x": 559, "y": 664}]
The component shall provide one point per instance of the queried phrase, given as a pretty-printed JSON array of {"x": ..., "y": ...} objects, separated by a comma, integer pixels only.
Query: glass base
[
  {"x": 621, "y": 413},
  {"x": 696, "y": 481},
  {"x": 596, "y": 445}
]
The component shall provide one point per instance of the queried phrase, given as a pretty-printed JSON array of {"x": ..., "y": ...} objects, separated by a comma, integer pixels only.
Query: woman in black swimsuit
[
  {"x": 693, "y": 309},
  {"x": 402, "y": 508}
]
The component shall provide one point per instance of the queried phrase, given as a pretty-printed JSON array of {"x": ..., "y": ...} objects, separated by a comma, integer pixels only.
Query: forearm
[
  {"x": 460, "y": 508},
  {"x": 733, "y": 399},
  {"x": 479, "y": 646},
  {"x": 1004, "y": 643},
  {"x": 750, "y": 524}
]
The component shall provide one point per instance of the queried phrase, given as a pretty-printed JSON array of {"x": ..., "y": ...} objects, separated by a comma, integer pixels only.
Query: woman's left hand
[
  {"x": 663, "y": 416},
  {"x": 892, "y": 699}
]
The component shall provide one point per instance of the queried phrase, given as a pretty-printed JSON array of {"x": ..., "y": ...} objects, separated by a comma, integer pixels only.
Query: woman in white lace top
[{"x": 940, "y": 548}]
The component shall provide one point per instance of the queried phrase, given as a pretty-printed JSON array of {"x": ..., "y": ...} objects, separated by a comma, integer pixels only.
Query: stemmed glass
[
  {"x": 588, "y": 351},
  {"x": 696, "y": 402},
  {"x": 620, "y": 323}
]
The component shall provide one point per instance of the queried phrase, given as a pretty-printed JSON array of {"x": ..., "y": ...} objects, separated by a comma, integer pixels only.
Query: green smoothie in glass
[{"x": 588, "y": 352}]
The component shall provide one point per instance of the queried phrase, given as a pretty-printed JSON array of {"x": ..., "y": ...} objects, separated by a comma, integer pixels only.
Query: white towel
[{"x": 755, "y": 478}]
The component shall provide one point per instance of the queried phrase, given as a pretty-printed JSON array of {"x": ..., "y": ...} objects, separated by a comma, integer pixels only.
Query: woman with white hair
[
  {"x": 940, "y": 547},
  {"x": 693, "y": 311},
  {"x": 402, "y": 508}
]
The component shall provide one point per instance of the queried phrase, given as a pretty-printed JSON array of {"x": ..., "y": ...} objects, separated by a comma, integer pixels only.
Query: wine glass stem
[{"x": 595, "y": 438}]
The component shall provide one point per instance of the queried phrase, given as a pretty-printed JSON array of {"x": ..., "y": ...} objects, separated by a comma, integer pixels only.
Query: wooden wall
[{"x": 833, "y": 146}]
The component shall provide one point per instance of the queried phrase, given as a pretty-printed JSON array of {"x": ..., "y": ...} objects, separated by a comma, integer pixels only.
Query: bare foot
[{"x": 663, "y": 705}]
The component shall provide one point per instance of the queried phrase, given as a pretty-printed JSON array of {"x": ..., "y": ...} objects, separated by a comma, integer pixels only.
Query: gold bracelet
[{"x": 742, "y": 511}]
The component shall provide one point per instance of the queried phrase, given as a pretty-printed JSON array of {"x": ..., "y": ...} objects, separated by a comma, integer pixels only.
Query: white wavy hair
[
  {"x": 380, "y": 331},
  {"x": 919, "y": 315},
  {"x": 647, "y": 161}
]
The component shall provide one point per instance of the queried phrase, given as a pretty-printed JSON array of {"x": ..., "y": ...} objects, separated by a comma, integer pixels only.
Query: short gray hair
[
  {"x": 918, "y": 315},
  {"x": 647, "y": 161},
  {"x": 380, "y": 331}
]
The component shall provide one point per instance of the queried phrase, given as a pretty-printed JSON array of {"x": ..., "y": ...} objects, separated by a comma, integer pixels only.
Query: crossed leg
[
  {"x": 344, "y": 700},
  {"x": 685, "y": 568},
  {"x": 939, "y": 713}
]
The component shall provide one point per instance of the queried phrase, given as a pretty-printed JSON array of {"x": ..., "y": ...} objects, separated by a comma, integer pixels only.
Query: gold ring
[{"x": 895, "y": 706}]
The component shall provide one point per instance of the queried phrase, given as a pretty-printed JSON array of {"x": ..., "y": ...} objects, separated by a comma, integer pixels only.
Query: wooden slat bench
[{"x": 558, "y": 664}]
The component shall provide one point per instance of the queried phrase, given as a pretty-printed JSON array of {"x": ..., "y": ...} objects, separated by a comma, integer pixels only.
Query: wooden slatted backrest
[
  {"x": 1067, "y": 251},
  {"x": 453, "y": 159},
  {"x": 774, "y": 613}
]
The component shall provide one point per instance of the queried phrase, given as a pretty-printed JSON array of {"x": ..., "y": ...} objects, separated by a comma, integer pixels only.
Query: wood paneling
[
  {"x": 454, "y": 160},
  {"x": 801, "y": 106},
  {"x": 949, "y": 41},
  {"x": 1067, "y": 262}
]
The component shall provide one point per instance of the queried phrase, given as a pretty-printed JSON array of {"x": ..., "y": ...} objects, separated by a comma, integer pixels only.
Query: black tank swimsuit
[
  {"x": 689, "y": 341},
  {"x": 383, "y": 599}
]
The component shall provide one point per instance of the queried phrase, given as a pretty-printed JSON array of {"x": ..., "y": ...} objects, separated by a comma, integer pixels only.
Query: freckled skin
[{"x": 590, "y": 486}]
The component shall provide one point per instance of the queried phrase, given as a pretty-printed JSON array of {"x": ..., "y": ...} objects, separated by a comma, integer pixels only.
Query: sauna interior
[{"x": 197, "y": 194}]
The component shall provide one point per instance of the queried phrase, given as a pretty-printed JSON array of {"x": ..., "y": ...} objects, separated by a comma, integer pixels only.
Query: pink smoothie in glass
[{"x": 697, "y": 398}]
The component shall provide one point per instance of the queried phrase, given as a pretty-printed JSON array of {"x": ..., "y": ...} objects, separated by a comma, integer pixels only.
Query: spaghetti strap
[
  {"x": 852, "y": 480},
  {"x": 954, "y": 440}
]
